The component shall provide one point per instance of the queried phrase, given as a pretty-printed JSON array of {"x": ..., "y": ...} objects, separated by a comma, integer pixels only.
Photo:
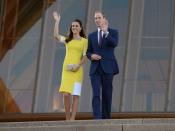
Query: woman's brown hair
[{"x": 70, "y": 36}]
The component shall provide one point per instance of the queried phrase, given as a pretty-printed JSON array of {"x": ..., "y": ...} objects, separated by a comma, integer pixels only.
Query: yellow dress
[{"x": 71, "y": 82}]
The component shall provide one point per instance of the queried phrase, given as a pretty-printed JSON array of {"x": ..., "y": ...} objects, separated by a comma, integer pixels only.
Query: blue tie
[{"x": 100, "y": 38}]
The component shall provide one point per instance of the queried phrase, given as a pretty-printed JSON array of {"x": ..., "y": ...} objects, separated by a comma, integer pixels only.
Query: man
[{"x": 100, "y": 52}]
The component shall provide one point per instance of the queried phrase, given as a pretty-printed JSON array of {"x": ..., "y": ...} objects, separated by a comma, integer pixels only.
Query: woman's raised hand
[{"x": 56, "y": 16}]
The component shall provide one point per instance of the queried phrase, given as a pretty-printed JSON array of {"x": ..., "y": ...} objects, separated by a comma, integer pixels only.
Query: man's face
[{"x": 99, "y": 19}]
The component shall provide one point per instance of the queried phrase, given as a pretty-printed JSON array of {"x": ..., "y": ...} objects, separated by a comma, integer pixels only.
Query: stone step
[{"x": 93, "y": 125}]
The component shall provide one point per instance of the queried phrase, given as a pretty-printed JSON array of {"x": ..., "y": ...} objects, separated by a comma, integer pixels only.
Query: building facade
[{"x": 31, "y": 69}]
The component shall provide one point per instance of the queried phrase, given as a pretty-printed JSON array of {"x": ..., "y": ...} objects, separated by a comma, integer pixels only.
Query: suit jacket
[{"x": 106, "y": 51}]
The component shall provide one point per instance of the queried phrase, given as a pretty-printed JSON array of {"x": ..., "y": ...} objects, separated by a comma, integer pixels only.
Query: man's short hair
[{"x": 97, "y": 11}]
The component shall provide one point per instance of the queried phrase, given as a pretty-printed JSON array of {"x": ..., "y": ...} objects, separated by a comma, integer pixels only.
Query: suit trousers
[{"x": 102, "y": 93}]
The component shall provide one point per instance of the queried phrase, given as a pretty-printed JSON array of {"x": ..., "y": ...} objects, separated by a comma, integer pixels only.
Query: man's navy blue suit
[{"x": 102, "y": 71}]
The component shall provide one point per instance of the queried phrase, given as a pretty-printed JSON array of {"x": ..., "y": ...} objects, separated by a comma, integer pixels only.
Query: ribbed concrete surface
[{"x": 93, "y": 125}]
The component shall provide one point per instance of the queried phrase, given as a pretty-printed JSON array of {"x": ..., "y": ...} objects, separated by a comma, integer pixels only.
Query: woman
[{"x": 72, "y": 73}]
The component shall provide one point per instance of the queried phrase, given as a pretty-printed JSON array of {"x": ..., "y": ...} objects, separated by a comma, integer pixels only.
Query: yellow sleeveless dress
[{"x": 71, "y": 82}]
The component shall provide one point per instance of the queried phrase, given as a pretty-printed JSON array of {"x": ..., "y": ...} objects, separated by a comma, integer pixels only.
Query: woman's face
[{"x": 75, "y": 27}]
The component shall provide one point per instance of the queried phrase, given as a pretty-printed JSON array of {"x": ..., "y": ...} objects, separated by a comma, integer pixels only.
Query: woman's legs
[
  {"x": 67, "y": 106},
  {"x": 74, "y": 107},
  {"x": 67, "y": 101}
]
